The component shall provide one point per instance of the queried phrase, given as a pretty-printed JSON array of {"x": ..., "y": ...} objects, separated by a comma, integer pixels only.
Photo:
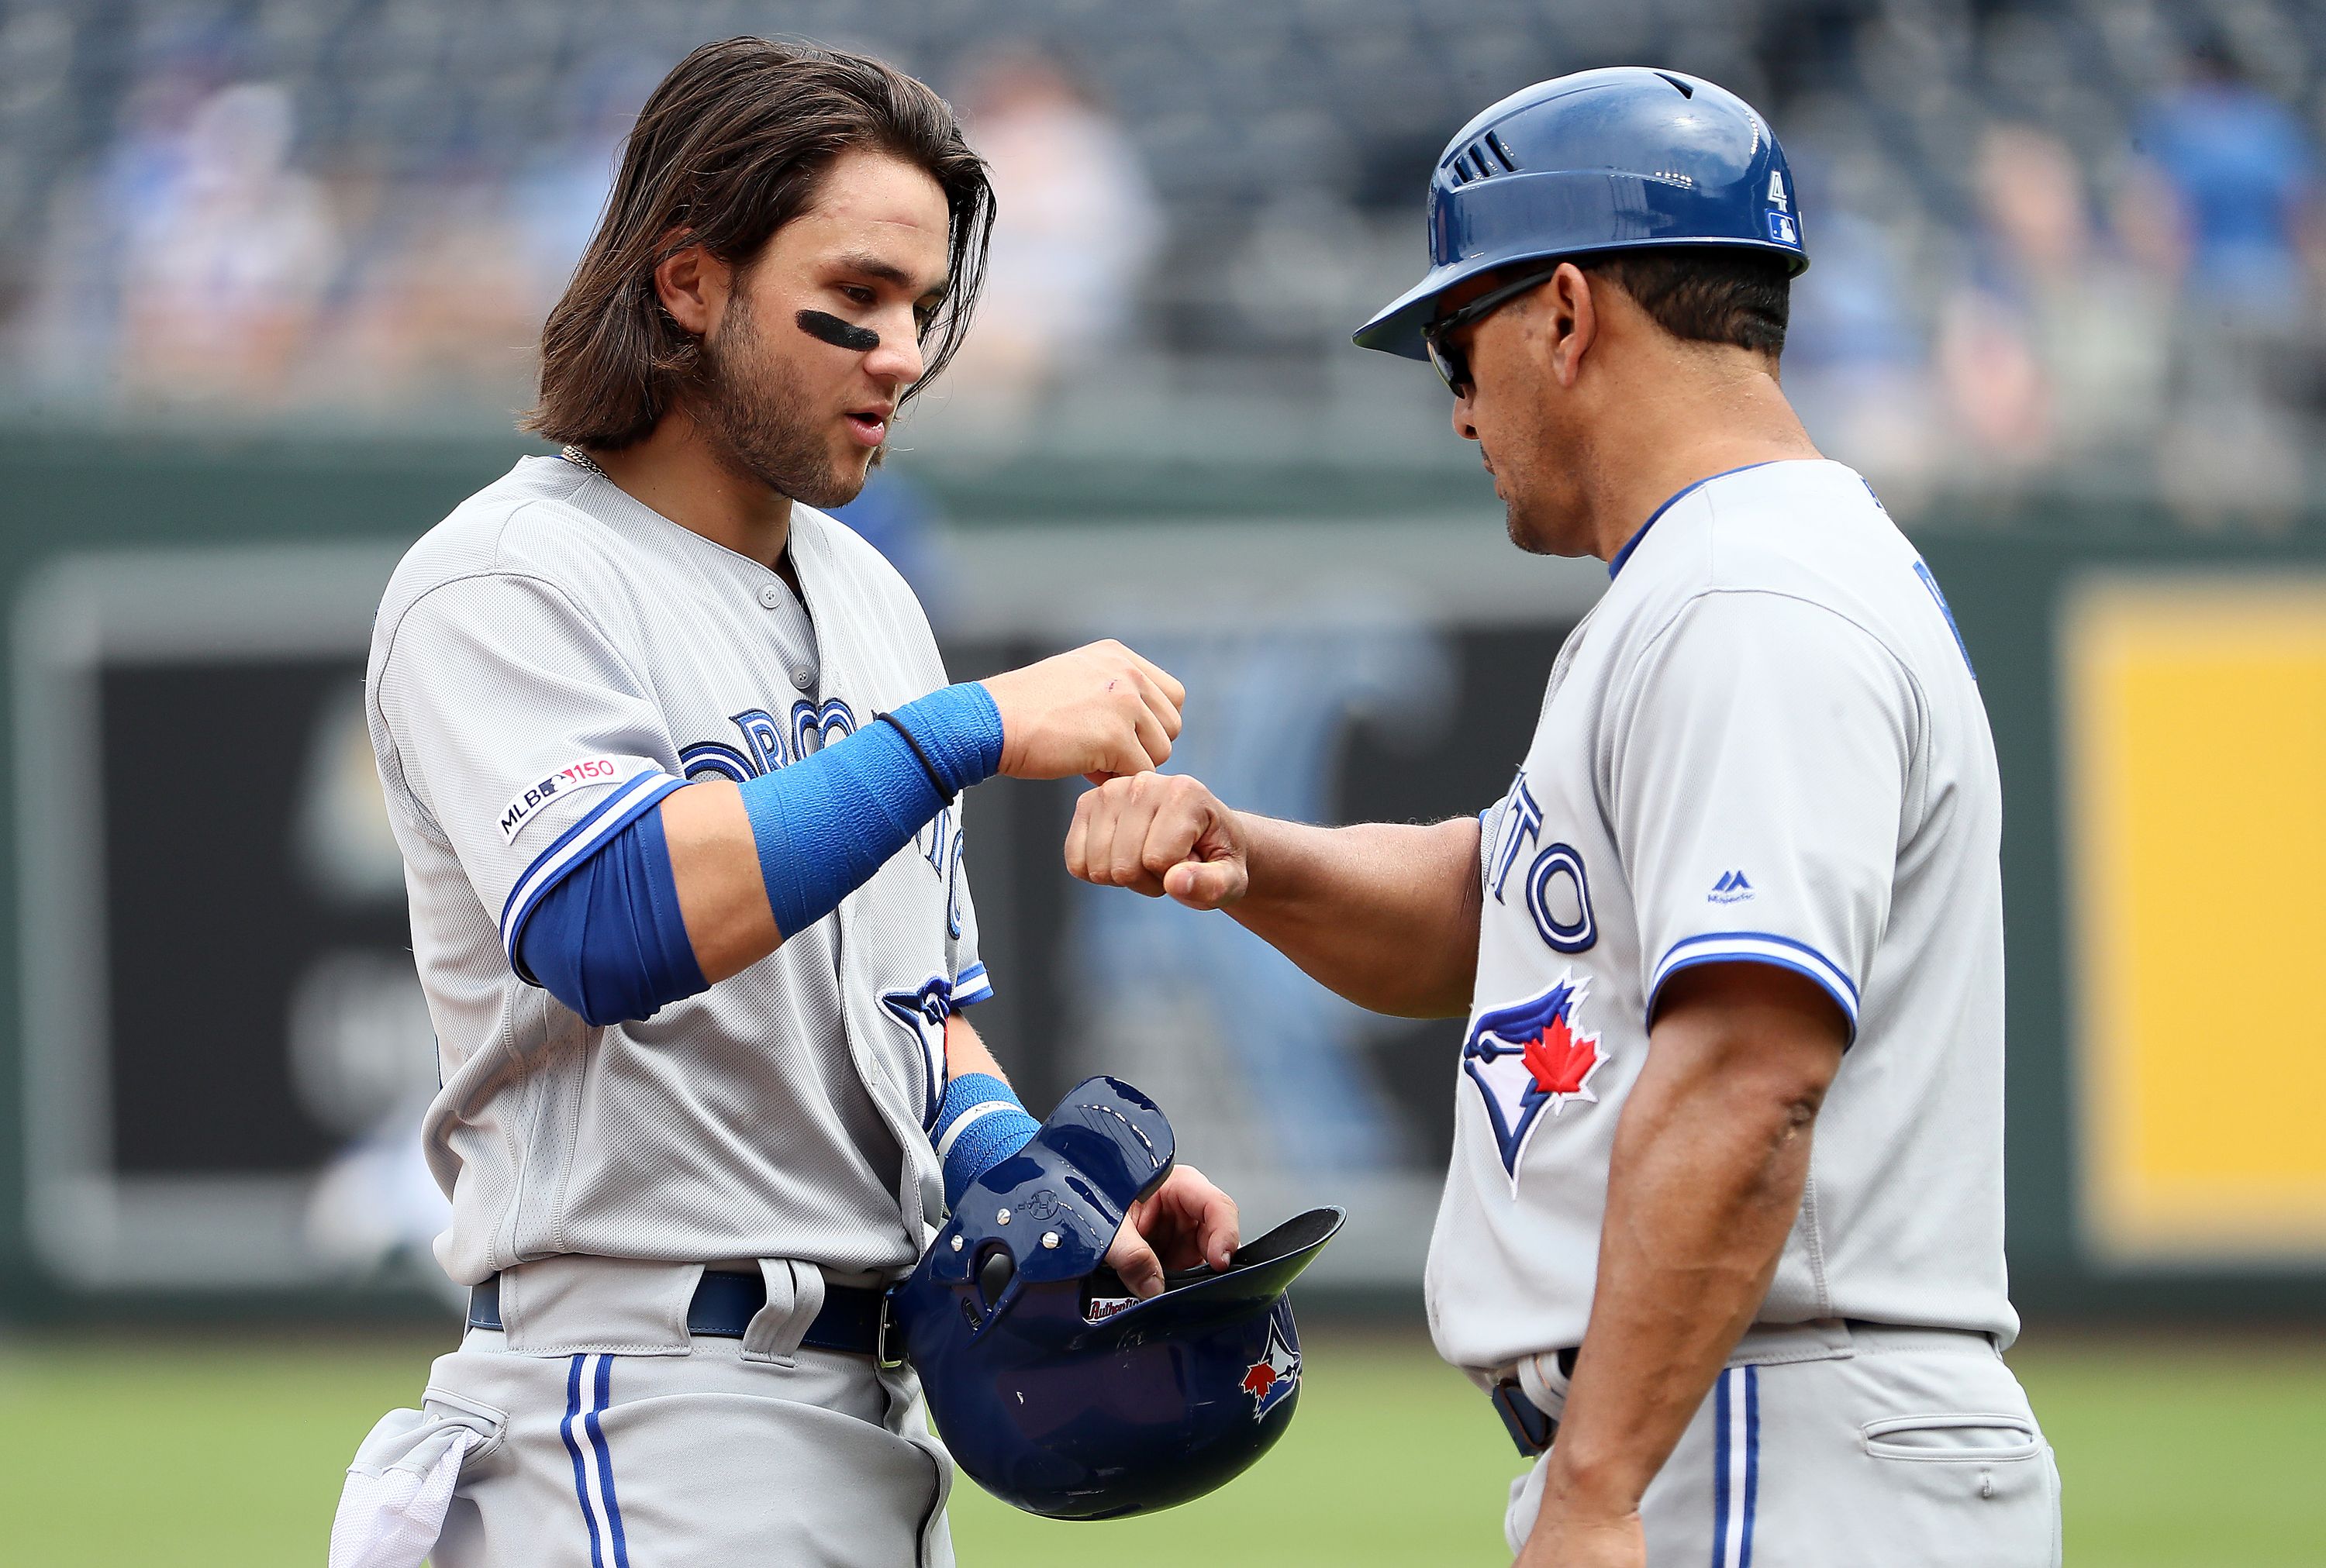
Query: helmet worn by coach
[
  {"x": 1618, "y": 159},
  {"x": 1055, "y": 1388}
]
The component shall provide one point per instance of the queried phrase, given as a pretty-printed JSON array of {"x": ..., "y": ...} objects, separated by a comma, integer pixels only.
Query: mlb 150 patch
[{"x": 526, "y": 803}]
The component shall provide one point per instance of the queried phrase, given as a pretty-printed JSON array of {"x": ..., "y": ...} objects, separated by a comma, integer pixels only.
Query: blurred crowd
[{"x": 2057, "y": 243}]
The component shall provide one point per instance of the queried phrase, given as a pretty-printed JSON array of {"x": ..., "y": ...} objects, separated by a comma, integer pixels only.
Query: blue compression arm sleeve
[
  {"x": 608, "y": 941},
  {"x": 824, "y": 824},
  {"x": 979, "y": 1124}
]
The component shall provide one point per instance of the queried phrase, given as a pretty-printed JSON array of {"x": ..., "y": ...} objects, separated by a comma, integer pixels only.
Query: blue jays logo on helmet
[
  {"x": 1055, "y": 1390},
  {"x": 1528, "y": 1057},
  {"x": 1271, "y": 1379}
]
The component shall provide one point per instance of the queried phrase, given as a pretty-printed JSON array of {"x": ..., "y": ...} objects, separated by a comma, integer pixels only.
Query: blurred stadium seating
[{"x": 2059, "y": 243}]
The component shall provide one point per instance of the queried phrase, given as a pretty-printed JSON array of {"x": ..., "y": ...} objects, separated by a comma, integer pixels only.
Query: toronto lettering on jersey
[
  {"x": 1556, "y": 889},
  {"x": 526, "y": 803},
  {"x": 940, "y": 844},
  {"x": 1533, "y": 1056},
  {"x": 766, "y": 742}
]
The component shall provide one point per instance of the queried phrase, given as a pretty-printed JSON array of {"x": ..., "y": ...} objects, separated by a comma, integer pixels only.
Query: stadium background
[{"x": 268, "y": 271}]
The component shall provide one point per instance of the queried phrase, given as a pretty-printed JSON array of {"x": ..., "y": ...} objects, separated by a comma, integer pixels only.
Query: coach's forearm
[
  {"x": 1385, "y": 915},
  {"x": 1705, "y": 1178}
]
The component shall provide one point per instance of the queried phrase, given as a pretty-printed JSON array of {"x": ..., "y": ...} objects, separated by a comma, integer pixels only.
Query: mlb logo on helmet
[{"x": 1781, "y": 227}]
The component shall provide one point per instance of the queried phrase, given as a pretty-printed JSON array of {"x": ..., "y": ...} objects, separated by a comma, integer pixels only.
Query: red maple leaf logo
[
  {"x": 1259, "y": 1379},
  {"x": 1559, "y": 1059}
]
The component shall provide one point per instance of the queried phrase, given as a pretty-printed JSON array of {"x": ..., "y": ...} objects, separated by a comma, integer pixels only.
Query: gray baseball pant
[
  {"x": 634, "y": 1444},
  {"x": 1834, "y": 1445}
]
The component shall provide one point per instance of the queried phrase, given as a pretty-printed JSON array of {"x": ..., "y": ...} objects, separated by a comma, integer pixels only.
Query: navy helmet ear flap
[
  {"x": 1115, "y": 1139},
  {"x": 1055, "y": 1205},
  {"x": 1055, "y": 1390}
]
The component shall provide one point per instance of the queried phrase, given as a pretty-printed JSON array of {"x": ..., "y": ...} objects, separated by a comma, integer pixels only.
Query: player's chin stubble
[{"x": 759, "y": 421}]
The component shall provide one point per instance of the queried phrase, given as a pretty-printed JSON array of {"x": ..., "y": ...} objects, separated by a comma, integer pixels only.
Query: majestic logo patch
[
  {"x": 1527, "y": 1056},
  {"x": 526, "y": 803},
  {"x": 1731, "y": 888},
  {"x": 1271, "y": 1379}
]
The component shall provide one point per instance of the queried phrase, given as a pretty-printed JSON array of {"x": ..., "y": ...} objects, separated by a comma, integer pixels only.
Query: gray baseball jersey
[
  {"x": 1764, "y": 744},
  {"x": 549, "y": 661}
]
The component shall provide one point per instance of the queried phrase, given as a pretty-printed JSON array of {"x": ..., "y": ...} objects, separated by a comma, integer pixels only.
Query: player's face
[
  {"x": 1509, "y": 406},
  {"x": 787, "y": 405}
]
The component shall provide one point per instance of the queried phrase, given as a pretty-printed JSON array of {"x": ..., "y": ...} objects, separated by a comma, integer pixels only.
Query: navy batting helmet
[
  {"x": 1055, "y": 1387},
  {"x": 1598, "y": 161}
]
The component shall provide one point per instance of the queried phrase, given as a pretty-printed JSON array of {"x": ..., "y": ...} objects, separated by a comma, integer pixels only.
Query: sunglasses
[{"x": 1453, "y": 364}]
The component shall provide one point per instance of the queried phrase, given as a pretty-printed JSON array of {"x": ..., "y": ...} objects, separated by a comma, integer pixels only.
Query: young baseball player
[
  {"x": 676, "y": 775},
  {"x": 1723, "y": 1234}
]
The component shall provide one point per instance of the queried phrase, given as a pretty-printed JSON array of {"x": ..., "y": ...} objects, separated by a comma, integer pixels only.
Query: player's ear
[
  {"x": 693, "y": 286},
  {"x": 1570, "y": 323}
]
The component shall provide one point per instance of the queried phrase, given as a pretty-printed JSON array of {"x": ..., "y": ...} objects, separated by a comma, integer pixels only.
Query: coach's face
[
  {"x": 1520, "y": 405},
  {"x": 806, "y": 416}
]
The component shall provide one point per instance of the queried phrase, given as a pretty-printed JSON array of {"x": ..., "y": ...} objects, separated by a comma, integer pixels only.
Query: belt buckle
[{"x": 881, "y": 1334}]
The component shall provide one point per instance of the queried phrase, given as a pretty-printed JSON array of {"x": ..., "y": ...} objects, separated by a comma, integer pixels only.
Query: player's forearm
[
  {"x": 1386, "y": 914},
  {"x": 966, "y": 1051},
  {"x": 714, "y": 864},
  {"x": 1706, "y": 1177}
]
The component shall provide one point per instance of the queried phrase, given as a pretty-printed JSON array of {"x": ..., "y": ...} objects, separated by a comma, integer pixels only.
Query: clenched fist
[
  {"x": 1100, "y": 711},
  {"x": 1159, "y": 834}
]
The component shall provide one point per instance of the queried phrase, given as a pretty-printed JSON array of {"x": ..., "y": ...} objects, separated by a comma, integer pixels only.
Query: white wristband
[{"x": 977, "y": 1112}]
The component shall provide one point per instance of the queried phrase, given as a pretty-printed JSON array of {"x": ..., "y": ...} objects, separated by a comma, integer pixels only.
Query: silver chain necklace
[{"x": 582, "y": 459}]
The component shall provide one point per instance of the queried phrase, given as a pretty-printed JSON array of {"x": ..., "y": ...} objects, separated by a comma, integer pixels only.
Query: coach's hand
[
  {"x": 1615, "y": 1543},
  {"x": 1184, "y": 1222},
  {"x": 1157, "y": 834},
  {"x": 1100, "y": 711},
  {"x": 1580, "y": 1528}
]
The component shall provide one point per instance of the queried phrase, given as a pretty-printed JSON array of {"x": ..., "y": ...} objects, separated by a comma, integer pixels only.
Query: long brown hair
[{"x": 728, "y": 149}]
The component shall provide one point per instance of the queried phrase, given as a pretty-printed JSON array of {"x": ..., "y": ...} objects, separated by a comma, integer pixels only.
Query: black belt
[
  {"x": 1531, "y": 1426},
  {"x": 852, "y": 1322}
]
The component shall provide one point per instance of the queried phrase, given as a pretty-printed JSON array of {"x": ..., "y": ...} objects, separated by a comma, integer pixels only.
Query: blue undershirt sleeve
[{"x": 608, "y": 940}]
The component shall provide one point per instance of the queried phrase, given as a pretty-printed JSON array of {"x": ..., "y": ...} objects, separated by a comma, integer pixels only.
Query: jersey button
[
  {"x": 804, "y": 679},
  {"x": 771, "y": 596}
]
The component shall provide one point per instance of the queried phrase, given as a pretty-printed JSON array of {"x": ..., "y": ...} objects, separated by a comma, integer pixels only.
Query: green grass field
[{"x": 227, "y": 1454}]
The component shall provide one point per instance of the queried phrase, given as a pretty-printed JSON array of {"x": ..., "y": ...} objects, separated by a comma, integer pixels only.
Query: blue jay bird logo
[
  {"x": 1527, "y": 1056},
  {"x": 923, "y": 1011},
  {"x": 1272, "y": 1378}
]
